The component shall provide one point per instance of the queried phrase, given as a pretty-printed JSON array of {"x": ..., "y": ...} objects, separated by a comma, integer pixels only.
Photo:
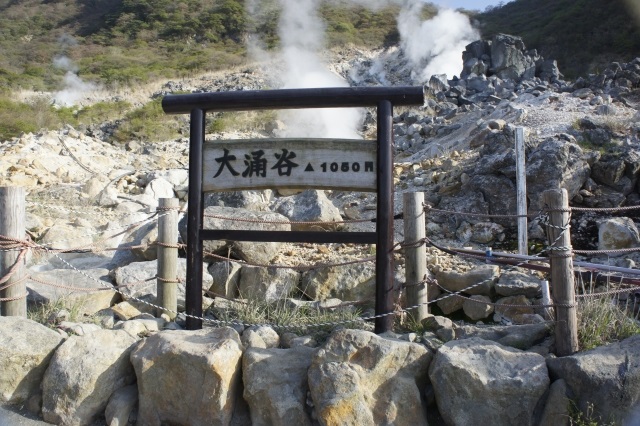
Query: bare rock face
[
  {"x": 200, "y": 365},
  {"x": 275, "y": 385},
  {"x": 555, "y": 163},
  {"x": 509, "y": 59},
  {"x": 607, "y": 377},
  {"x": 362, "y": 379},
  {"x": 477, "y": 382},
  {"x": 83, "y": 374},
  {"x": 26, "y": 348}
]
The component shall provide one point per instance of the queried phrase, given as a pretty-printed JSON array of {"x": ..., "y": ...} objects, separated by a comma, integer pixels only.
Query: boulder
[
  {"x": 199, "y": 365},
  {"x": 477, "y": 382},
  {"x": 141, "y": 327},
  {"x": 513, "y": 307},
  {"x": 478, "y": 307},
  {"x": 122, "y": 406},
  {"x": 250, "y": 251},
  {"x": 250, "y": 200},
  {"x": 618, "y": 233},
  {"x": 438, "y": 83},
  {"x": 442, "y": 327},
  {"x": 476, "y": 58},
  {"x": 132, "y": 279},
  {"x": 275, "y": 385},
  {"x": 556, "y": 410},
  {"x": 508, "y": 58},
  {"x": 479, "y": 280},
  {"x": 260, "y": 337},
  {"x": 486, "y": 232},
  {"x": 66, "y": 236},
  {"x": 607, "y": 379},
  {"x": 267, "y": 284},
  {"x": 449, "y": 304},
  {"x": 514, "y": 283},
  {"x": 608, "y": 171},
  {"x": 347, "y": 282},
  {"x": 362, "y": 379},
  {"x": 555, "y": 163},
  {"x": 226, "y": 278},
  {"x": 26, "y": 348},
  {"x": 178, "y": 178},
  {"x": 83, "y": 374},
  {"x": 159, "y": 188},
  {"x": 145, "y": 236},
  {"x": 517, "y": 336},
  {"x": 310, "y": 206},
  {"x": 88, "y": 290},
  {"x": 548, "y": 70}
]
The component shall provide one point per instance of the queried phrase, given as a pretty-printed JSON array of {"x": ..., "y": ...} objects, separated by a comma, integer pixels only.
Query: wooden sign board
[{"x": 341, "y": 164}]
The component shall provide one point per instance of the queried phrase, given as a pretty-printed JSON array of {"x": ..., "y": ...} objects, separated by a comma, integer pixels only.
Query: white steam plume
[
  {"x": 301, "y": 34},
  {"x": 64, "y": 63},
  {"x": 74, "y": 88},
  {"x": 434, "y": 46}
]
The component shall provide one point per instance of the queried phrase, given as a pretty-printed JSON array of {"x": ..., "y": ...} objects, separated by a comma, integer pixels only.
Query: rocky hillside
[
  {"x": 583, "y": 35},
  {"x": 87, "y": 189}
]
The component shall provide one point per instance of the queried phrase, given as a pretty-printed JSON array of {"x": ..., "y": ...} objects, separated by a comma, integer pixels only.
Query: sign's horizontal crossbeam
[
  {"x": 328, "y": 97},
  {"x": 290, "y": 236}
]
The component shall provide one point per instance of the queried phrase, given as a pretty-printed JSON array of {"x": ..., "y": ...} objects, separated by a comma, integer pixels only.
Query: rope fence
[{"x": 553, "y": 250}]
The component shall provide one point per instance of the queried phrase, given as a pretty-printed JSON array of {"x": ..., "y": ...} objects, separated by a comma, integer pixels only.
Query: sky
[{"x": 468, "y": 4}]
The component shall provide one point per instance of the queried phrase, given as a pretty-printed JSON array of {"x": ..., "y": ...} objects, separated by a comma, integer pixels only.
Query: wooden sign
[{"x": 342, "y": 164}]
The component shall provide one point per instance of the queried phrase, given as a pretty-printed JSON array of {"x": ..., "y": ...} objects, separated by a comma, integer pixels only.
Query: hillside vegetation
[
  {"x": 582, "y": 35},
  {"x": 123, "y": 43},
  {"x": 129, "y": 42}
]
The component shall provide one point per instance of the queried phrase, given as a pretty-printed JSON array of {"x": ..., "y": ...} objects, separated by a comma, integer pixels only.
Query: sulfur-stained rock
[
  {"x": 476, "y": 382},
  {"x": 26, "y": 348},
  {"x": 275, "y": 385},
  {"x": 199, "y": 365},
  {"x": 83, "y": 374},
  {"x": 359, "y": 378}
]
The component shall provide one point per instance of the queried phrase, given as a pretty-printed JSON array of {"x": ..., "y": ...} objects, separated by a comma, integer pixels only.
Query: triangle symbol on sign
[{"x": 309, "y": 168}]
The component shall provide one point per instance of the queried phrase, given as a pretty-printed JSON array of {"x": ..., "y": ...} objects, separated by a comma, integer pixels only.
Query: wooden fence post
[
  {"x": 167, "y": 288},
  {"x": 12, "y": 225},
  {"x": 415, "y": 257},
  {"x": 521, "y": 182},
  {"x": 562, "y": 280}
]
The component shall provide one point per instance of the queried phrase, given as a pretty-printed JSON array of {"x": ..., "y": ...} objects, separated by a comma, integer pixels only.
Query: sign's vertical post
[
  {"x": 384, "y": 223},
  {"x": 193, "y": 296}
]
